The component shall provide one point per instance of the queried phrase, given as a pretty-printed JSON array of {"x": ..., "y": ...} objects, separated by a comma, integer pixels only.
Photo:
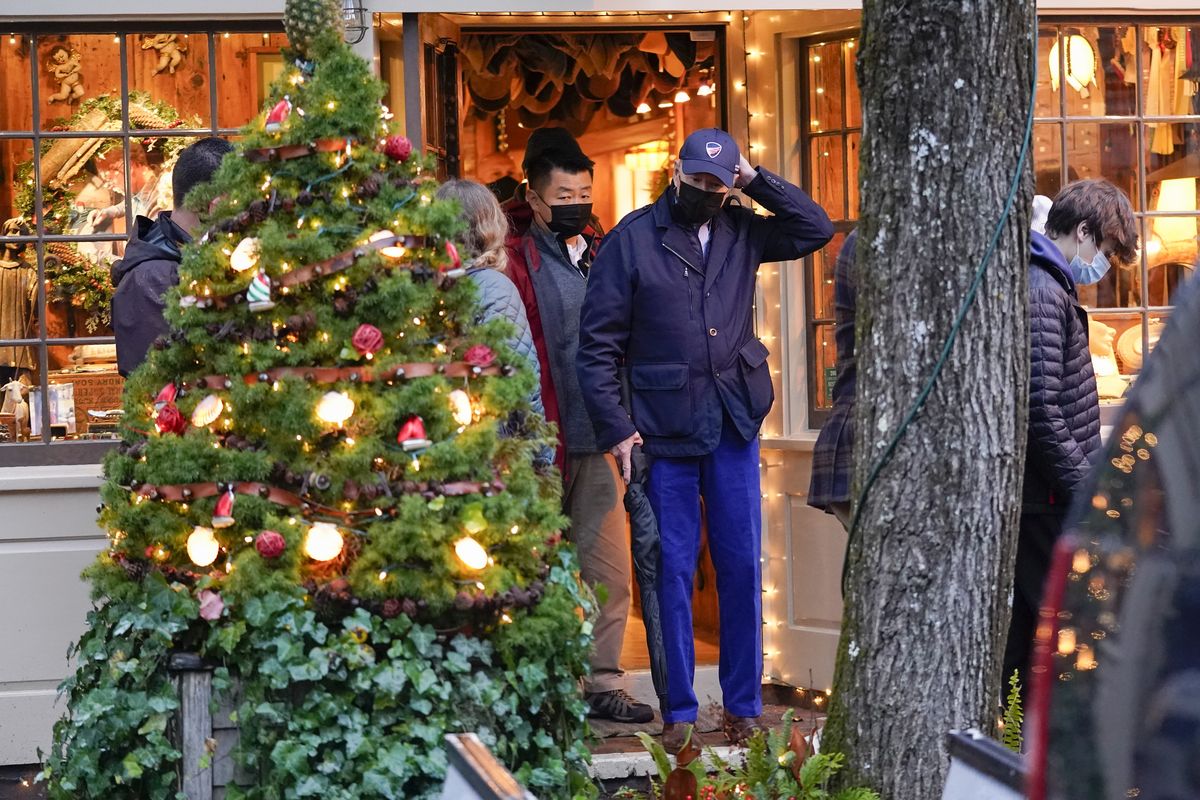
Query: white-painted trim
[
  {"x": 801, "y": 442},
  {"x": 31, "y": 479}
]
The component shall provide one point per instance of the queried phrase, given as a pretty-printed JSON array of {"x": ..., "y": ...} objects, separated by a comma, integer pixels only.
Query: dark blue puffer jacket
[{"x": 1064, "y": 409}]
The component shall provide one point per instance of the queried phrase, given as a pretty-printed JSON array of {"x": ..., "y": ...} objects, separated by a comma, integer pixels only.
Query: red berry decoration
[
  {"x": 397, "y": 148},
  {"x": 367, "y": 340},
  {"x": 479, "y": 355},
  {"x": 170, "y": 420},
  {"x": 270, "y": 544},
  {"x": 391, "y": 608}
]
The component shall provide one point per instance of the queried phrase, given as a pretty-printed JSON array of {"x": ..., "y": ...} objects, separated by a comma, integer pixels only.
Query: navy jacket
[
  {"x": 150, "y": 267},
  {"x": 683, "y": 323},
  {"x": 1064, "y": 408}
]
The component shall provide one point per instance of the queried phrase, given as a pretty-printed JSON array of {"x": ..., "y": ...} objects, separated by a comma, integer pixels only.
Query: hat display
[
  {"x": 1129, "y": 344},
  {"x": 710, "y": 151}
]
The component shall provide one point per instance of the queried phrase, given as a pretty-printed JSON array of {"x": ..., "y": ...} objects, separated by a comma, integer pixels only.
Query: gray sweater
[{"x": 560, "y": 288}]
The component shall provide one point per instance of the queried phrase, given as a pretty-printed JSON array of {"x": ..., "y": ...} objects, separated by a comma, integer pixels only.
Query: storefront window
[
  {"x": 1114, "y": 101},
  {"x": 90, "y": 128}
]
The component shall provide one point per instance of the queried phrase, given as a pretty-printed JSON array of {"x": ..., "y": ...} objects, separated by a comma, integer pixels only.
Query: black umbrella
[{"x": 643, "y": 528}]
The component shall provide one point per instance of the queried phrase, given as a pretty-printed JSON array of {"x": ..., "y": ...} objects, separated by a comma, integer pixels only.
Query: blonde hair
[{"x": 487, "y": 225}]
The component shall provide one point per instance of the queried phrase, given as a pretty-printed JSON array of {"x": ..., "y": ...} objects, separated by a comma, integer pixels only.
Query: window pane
[
  {"x": 853, "y": 142},
  {"x": 16, "y": 181},
  {"x": 16, "y": 112},
  {"x": 1104, "y": 150},
  {"x": 1121, "y": 287},
  {"x": 826, "y": 365},
  {"x": 827, "y": 163},
  {"x": 1115, "y": 341},
  {"x": 1100, "y": 71},
  {"x": 1171, "y": 250},
  {"x": 825, "y": 86},
  {"x": 151, "y": 161},
  {"x": 1048, "y": 104},
  {"x": 247, "y": 63},
  {"x": 79, "y": 82},
  {"x": 81, "y": 398},
  {"x": 83, "y": 186},
  {"x": 168, "y": 80},
  {"x": 853, "y": 98},
  {"x": 1166, "y": 55},
  {"x": 1047, "y": 158},
  {"x": 823, "y": 262}
]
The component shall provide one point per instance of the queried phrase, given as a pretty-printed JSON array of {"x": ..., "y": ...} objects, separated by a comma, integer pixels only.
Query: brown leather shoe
[
  {"x": 738, "y": 730},
  {"x": 675, "y": 734}
]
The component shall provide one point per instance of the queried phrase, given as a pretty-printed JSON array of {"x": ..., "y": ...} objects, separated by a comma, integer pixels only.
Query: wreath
[{"x": 84, "y": 282}]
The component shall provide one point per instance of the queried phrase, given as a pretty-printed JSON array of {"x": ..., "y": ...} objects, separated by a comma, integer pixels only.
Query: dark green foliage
[
  {"x": 351, "y": 670},
  {"x": 1010, "y": 733}
]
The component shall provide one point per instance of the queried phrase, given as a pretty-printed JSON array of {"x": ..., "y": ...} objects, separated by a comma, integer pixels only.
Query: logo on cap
[{"x": 713, "y": 149}]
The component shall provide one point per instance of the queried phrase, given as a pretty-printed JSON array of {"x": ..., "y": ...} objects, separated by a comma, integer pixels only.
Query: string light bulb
[
  {"x": 682, "y": 96},
  {"x": 245, "y": 255},
  {"x": 460, "y": 407},
  {"x": 202, "y": 546},
  {"x": 335, "y": 408},
  {"x": 323, "y": 542},
  {"x": 471, "y": 553}
]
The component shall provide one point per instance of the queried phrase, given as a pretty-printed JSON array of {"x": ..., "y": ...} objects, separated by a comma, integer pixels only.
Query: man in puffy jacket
[
  {"x": 151, "y": 263},
  {"x": 1090, "y": 225},
  {"x": 671, "y": 294}
]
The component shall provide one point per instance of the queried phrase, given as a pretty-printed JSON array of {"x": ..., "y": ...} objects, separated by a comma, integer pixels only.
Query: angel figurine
[
  {"x": 65, "y": 68},
  {"x": 170, "y": 50}
]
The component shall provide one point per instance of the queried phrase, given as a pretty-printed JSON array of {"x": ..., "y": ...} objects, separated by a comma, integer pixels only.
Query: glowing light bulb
[
  {"x": 245, "y": 255},
  {"x": 335, "y": 407},
  {"x": 643, "y": 107},
  {"x": 705, "y": 90},
  {"x": 202, "y": 546},
  {"x": 460, "y": 407},
  {"x": 471, "y": 553},
  {"x": 323, "y": 542}
]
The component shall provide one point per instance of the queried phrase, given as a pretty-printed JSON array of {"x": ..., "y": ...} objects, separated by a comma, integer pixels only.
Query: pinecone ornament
[
  {"x": 305, "y": 21},
  {"x": 142, "y": 117}
]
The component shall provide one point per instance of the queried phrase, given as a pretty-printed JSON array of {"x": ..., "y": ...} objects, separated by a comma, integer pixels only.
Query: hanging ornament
[
  {"x": 392, "y": 251},
  {"x": 412, "y": 434},
  {"x": 278, "y": 114},
  {"x": 471, "y": 553},
  {"x": 473, "y": 520},
  {"x": 479, "y": 355},
  {"x": 323, "y": 542},
  {"x": 367, "y": 340},
  {"x": 207, "y": 410},
  {"x": 168, "y": 419},
  {"x": 456, "y": 268},
  {"x": 335, "y": 408},
  {"x": 259, "y": 293},
  {"x": 202, "y": 546},
  {"x": 166, "y": 396},
  {"x": 223, "y": 513},
  {"x": 270, "y": 544},
  {"x": 397, "y": 148},
  {"x": 211, "y": 604},
  {"x": 460, "y": 407},
  {"x": 245, "y": 255}
]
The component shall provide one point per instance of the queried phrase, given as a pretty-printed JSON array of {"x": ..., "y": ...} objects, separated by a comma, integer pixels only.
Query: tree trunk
[{"x": 945, "y": 89}]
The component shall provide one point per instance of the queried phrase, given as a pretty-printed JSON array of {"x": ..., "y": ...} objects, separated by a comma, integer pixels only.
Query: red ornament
[
  {"x": 479, "y": 355},
  {"x": 397, "y": 148},
  {"x": 270, "y": 544},
  {"x": 278, "y": 114},
  {"x": 391, "y": 608},
  {"x": 452, "y": 252},
  {"x": 367, "y": 340},
  {"x": 170, "y": 420},
  {"x": 165, "y": 395},
  {"x": 223, "y": 513},
  {"x": 412, "y": 434}
]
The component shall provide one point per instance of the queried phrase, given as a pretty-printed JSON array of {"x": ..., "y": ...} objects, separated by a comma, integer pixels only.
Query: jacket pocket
[
  {"x": 757, "y": 377},
  {"x": 662, "y": 399}
]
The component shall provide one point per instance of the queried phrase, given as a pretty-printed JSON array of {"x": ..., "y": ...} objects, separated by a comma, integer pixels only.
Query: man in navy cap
[{"x": 671, "y": 296}]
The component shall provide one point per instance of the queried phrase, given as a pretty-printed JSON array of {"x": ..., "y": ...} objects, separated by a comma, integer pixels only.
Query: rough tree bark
[{"x": 945, "y": 87}]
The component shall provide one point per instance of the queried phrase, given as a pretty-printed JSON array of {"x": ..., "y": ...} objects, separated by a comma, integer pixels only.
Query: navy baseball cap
[{"x": 711, "y": 151}]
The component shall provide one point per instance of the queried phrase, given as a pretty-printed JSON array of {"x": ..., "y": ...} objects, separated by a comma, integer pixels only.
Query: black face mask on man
[
  {"x": 695, "y": 206},
  {"x": 569, "y": 220}
]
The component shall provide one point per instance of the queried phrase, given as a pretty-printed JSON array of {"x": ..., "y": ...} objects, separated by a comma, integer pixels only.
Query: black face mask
[
  {"x": 569, "y": 221},
  {"x": 695, "y": 206}
]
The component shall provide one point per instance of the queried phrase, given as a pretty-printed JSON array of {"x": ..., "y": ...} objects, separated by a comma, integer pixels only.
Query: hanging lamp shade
[{"x": 1080, "y": 64}]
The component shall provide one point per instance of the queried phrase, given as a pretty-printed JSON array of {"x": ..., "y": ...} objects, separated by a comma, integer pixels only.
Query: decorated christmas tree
[{"x": 326, "y": 487}]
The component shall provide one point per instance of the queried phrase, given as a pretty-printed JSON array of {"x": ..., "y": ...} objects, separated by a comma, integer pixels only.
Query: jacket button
[
  {"x": 716, "y": 374},
  {"x": 712, "y": 331}
]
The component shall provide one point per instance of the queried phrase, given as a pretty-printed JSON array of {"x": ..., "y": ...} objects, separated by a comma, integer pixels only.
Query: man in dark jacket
[
  {"x": 151, "y": 263},
  {"x": 1090, "y": 224},
  {"x": 671, "y": 294}
]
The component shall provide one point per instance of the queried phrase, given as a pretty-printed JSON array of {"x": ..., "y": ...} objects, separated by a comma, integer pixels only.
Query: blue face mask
[{"x": 1086, "y": 273}]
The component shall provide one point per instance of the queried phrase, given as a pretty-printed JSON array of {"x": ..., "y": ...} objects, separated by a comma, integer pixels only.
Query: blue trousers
[{"x": 728, "y": 480}]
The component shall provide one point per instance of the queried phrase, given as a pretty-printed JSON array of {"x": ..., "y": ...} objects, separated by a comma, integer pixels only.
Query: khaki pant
[{"x": 594, "y": 502}]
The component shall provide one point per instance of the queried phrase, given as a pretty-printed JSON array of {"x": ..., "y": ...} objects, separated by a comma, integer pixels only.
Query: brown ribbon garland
[
  {"x": 287, "y": 152},
  {"x": 322, "y": 375}
]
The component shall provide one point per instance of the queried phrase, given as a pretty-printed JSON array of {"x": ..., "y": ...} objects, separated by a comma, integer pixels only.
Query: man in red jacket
[{"x": 549, "y": 262}]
